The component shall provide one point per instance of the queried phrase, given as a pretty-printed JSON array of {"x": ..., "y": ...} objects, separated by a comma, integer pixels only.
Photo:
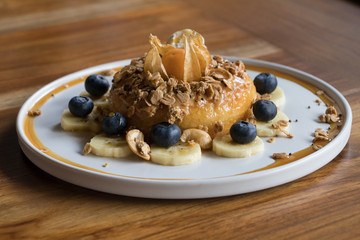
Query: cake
[{"x": 180, "y": 82}]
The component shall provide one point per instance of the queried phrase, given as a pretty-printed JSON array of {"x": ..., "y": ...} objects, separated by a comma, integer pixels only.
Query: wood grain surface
[{"x": 42, "y": 40}]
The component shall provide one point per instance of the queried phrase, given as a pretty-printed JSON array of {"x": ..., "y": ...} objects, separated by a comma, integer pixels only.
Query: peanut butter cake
[
  {"x": 180, "y": 82},
  {"x": 176, "y": 101}
]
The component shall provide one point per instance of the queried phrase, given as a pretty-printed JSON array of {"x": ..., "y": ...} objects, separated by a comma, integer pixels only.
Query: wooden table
[{"x": 43, "y": 40}]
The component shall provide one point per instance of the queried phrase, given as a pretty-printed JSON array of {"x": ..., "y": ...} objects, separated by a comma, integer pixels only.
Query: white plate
[{"x": 213, "y": 176}]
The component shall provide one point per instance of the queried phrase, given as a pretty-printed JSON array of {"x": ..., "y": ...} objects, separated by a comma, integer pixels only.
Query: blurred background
[{"x": 45, "y": 39}]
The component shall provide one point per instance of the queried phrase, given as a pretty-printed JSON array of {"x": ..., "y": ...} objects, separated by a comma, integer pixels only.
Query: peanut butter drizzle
[{"x": 30, "y": 133}]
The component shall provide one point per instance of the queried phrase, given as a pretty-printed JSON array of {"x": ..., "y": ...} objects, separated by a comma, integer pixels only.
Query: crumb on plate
[{"x": 34, "y": 113}]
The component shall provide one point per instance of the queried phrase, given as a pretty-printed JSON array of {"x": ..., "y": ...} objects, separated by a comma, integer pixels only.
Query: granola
[
  {"x": 330, "y": 115},
  {"x": 280, "y": 155},
  {"x": 34, "y": 113},
  {"x": 152, "y": 94},
  {"x": 87, "y": 149},
  {"x": 320, "y": 135}
]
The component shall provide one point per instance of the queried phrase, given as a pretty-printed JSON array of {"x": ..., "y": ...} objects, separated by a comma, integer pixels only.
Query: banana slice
[
  {"x": 94, "y": 122},
  {"x": 71, "y": 123},
  {"x": 226, "y": 147},
  {"x": 105, "y": 146},
  {"x": 278, "y": 97},
  {"x": 102, "y": 101},
  {"x": 179, "y": 154},
  {"x": 266, "y": 129}
]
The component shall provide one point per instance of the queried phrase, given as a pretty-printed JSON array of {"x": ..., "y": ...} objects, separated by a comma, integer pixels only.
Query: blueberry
[
  {"x": 113, "y": 124},
  {"x": 96, "y": 85},
  {"x": 243, "y": 132},
  {"x": 80, "y": 106},
  {"x": 265, "y": 83},
  {"x": 165, "y": 134},
  {"x": 264, "y": 110}
]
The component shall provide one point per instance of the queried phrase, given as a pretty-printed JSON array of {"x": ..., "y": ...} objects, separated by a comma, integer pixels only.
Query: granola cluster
[
  {"x": 146, "y": 92},
  {"x": 320, "y": 135},
  {"x": 281, "y": 155},
  {"x": 330, "y": 115},
  {"x": 280, "y": 125},
  {"x": 34, "y": 113}
]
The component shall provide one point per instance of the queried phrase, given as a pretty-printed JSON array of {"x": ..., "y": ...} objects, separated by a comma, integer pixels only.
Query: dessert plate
[{"x": 59, "y": 153}]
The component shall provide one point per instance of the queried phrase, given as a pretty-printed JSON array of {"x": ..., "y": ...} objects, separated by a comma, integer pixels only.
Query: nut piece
[
  {"x": 279, "y": 126},
  {"x": 280, "y": 155},
  {"x": 196, "y": 135},
  {"x": 34, "y": 113},
  {"x": 319, "y": 92},
  {"x": 135, "y": 140},
  {"x": 331, "y": 110},
  {"x": 328, "y": 118},
  {"x": 204, "y": 128},
  {"x": 320, "y": 135},
  {"x": 218, "y": 126},
  {"x": 316, "y": 147},
  {"x": 87, "y": 149}
]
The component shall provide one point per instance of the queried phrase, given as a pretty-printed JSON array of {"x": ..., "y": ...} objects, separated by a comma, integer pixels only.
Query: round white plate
[{"x": 212, "y": 177}]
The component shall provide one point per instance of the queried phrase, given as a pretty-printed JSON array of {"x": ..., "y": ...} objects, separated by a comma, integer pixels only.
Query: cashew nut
[
  {"x": 199, "y": 136},
  {"x": 135, "y": 140}
]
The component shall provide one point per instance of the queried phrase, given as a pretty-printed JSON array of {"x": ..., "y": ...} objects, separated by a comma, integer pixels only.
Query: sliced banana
[
  {"x": 224, "y": 146},
  {"x": 179, "y": 154},
  {"x": 102, "y": 101},
  {"x": 89, "y": 123},
  {"x": 266, "y": 129},
  {"x": 105, "y": 146},
  {"x": 94, "y": 121},
  {"x": 278, "y": 97},
  {"x": 71, "y": 123}
]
